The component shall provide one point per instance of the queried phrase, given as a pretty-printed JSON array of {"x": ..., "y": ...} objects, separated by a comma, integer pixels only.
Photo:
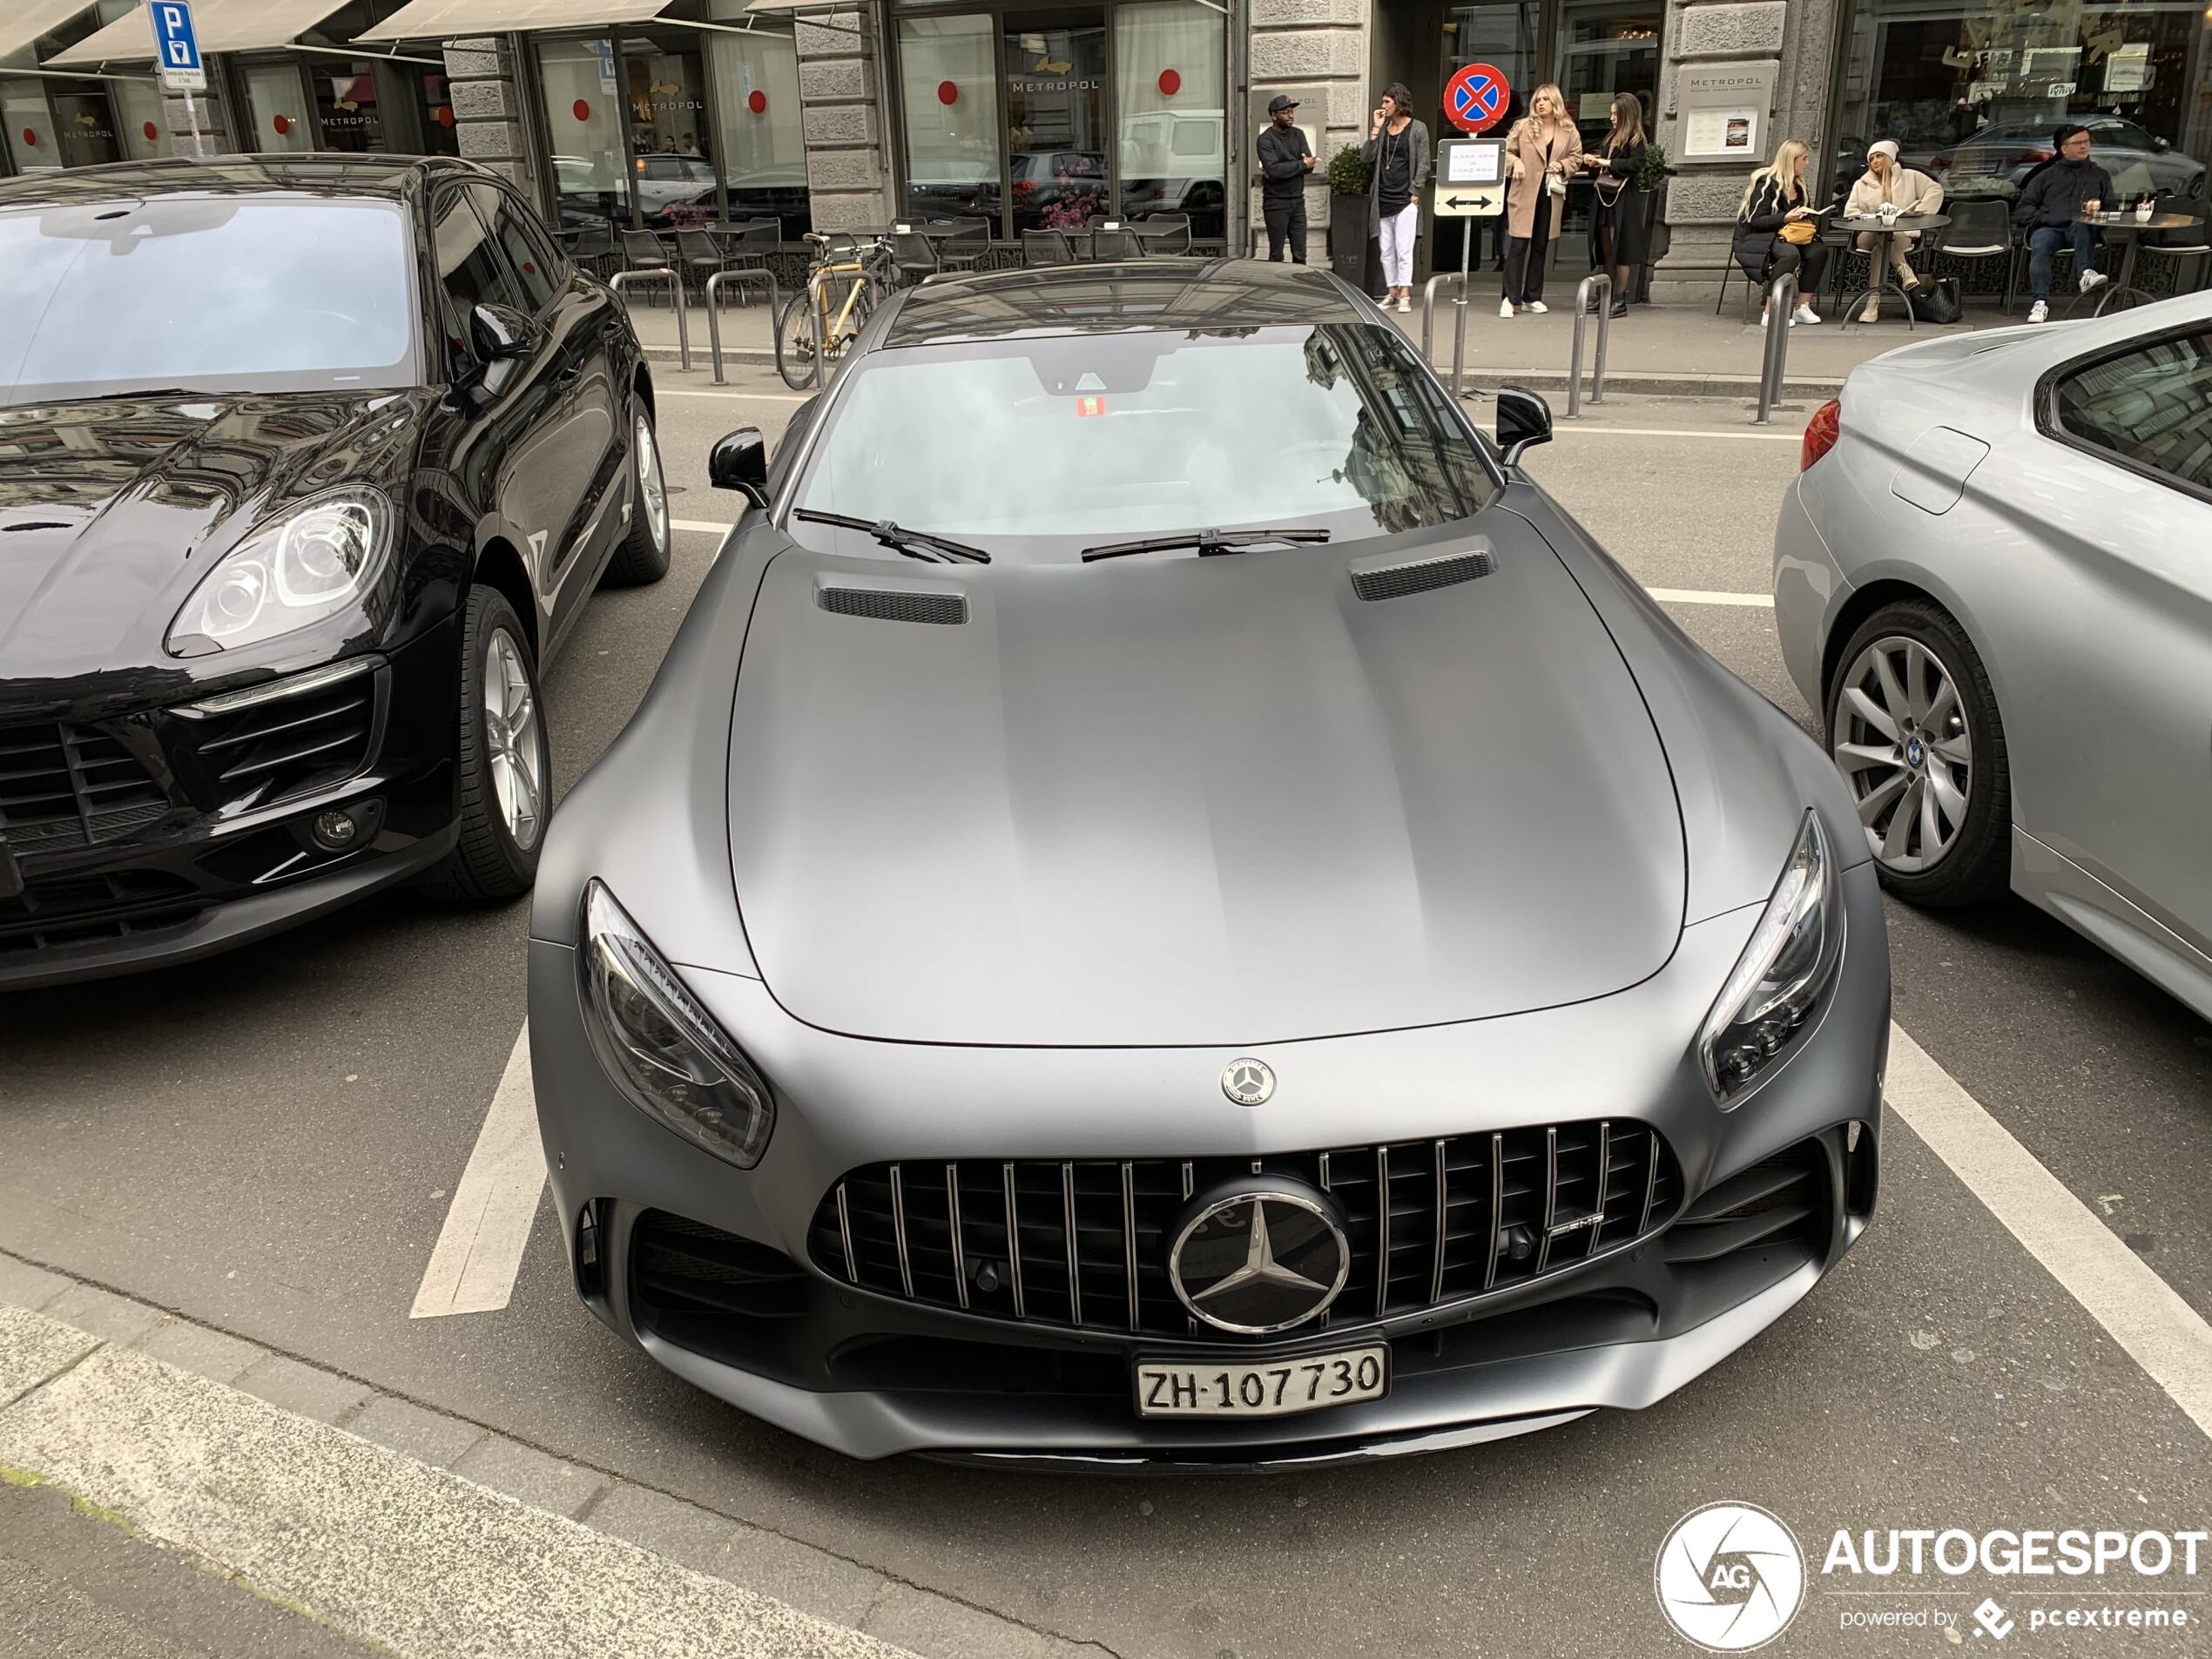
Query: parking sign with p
[{"x": 176, "y": 47}]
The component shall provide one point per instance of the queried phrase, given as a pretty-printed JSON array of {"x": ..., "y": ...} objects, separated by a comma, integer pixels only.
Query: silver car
[
  {"x": 1993, "y": 580},
  {"x": 1167, "y": 906}
]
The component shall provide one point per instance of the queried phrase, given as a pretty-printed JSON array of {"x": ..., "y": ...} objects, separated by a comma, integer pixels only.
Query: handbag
[
  {"x": 1554, "y": 185},
  {"x": 1613, "y": 200},
  {"x": 1937, "y": 302},
  {"x": 1798, "y": 232}
]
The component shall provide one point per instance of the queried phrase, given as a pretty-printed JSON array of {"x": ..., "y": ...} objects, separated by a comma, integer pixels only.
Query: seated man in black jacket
[
  {"x": 1285, "y": 160},
  {"x": 2051, "y": 208}
]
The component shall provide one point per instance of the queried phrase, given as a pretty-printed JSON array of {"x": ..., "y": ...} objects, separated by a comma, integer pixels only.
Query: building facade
[{"x": 1032, "y": 113}]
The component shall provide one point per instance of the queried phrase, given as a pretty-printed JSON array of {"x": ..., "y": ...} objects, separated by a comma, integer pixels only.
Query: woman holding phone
[
  {"x": 1777, "y": 233},
  {"x": 1619, "y": 239},
  {"x": 1396, "y": 151},
  {"x": 1543, "y": 152}
]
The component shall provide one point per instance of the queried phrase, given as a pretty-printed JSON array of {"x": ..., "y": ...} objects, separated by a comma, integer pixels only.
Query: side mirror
[
  {"x": 1524, "y": 421},
  {"x": 740, "y": 462},
  {"x": 497, "y": 333}
]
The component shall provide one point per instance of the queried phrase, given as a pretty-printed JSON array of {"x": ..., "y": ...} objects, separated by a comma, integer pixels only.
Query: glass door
[
  {"x": 348, "y": 112},
  {"x": 671, "y": 139},
  {"x": 1170, "y": 102},
  {"x": 583, "y": 119},
  {"x": 1603, "y": 49},
  {"x": 760, "y": 139},
  {"x": 949, "y": 98},
  {"x": 276, "y": 104},
  {"x": 1055, "y": 118},
  {"x": 1504, "y": 36}
]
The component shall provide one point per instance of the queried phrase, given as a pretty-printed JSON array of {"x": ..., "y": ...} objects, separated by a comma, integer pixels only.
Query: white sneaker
[
  {"x": 1803, "y": 314},
  {"x": 1405, "y": 304},
  {"x": 1537, "y": 307},
  {"x": 2038, "y": 311},
  {"x": 1504, "y": 307},
  {"x": 2091, "y": 280}
]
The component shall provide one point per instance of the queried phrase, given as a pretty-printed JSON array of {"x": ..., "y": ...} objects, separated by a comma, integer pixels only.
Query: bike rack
[
  {"x": 1782, "y": 300},
  {"x": 1459, "y": 324},
  {"x": 658, "y": 273},
  {"x": 1600, "y": 285},
  {"x": 714, "y": 311}
]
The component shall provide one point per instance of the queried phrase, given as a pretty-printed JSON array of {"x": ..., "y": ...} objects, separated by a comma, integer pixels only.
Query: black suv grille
[
  {"x": 64, "y": 785},
  {"x": 290, "y": 744},
  {"x": 76, "y": 909},
  {"x": 1090, "y": 1239}
]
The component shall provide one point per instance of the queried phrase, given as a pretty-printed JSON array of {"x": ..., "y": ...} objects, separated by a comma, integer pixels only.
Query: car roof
[
  {"x": 319, "y": 173},
  {"x": 1182, "y": 294}
]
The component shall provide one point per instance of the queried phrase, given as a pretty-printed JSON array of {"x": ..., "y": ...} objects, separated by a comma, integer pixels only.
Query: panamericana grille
[
  {"x": 66, "y": 786},
  {"x": 1418, "y": 576},
  {"x": 74, "y": 910},
  {"x": 289, "y": 745},
  {"x": 1084, "y": 1243}
]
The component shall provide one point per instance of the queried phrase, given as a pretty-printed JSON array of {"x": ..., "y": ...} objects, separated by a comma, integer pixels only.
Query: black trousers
[
  {"x": 1285, "y": 224},
  {"x": 1525, "y": 262},
  {"x": 1809, "y": 262}
]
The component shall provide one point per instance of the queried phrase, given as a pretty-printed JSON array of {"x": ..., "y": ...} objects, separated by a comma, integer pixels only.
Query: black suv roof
[
  {"x": 337, "y": 175},
  {"x": 1213, "y": 294}
]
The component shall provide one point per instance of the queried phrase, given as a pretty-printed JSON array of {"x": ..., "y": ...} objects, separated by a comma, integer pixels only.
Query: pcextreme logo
[{"x": 1730, "y": 1577}]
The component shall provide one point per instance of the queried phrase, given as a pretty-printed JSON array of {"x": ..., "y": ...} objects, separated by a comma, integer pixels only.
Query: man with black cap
[{"x": 1284, "y": 159}]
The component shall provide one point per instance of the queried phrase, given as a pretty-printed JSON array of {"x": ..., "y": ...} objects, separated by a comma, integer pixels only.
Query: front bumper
[
  {"x": 874, "y": 1375},
  {"x": 186, "y": 874}
]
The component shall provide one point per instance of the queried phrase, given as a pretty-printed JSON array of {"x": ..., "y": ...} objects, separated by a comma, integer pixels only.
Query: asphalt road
[{"x": 269, "y": 1143}]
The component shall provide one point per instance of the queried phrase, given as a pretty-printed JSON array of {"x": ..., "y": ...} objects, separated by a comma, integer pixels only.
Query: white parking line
[
  {"x": 1697, "y": 596},
  {"x": 746, "y": 397},
  {"x": 480, "y": 1248},
  {"x": 704, "y": 526},
  {"x": 1581, "y": 431},
  {"x": 2167, "y": 1337}
]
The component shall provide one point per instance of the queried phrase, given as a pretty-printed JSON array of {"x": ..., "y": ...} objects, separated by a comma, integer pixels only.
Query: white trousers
[{"x": 1398, "y": 231}]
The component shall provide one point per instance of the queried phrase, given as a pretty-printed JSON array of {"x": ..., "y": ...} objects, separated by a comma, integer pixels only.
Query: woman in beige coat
[
  {"x": 1543, "y": 152},
  {"x": 1887, "y": 179}
]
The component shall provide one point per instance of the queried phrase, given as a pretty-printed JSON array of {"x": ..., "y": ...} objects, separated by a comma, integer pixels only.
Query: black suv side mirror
[
  {"x": 499, "y": 333},
  {"x": 740, "y": 462},
  {"x": 1524, "y": 421}
]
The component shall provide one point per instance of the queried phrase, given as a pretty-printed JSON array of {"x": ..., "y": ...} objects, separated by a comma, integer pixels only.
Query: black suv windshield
[
  {"x": 203, "y": 293},
  {"x": 1042, "y": 447}
]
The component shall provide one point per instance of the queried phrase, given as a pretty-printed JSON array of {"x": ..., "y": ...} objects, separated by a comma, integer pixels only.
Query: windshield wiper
[
  {"x": 1209, "y": 542},
  {"x": 915, "y": 544}
]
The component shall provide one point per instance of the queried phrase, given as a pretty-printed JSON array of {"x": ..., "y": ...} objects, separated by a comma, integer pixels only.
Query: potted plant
[{"x": 1349, "y": 177}]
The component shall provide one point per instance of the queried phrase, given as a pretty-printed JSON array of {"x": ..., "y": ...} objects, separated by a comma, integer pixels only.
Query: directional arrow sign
[
  {"x": 1470, "y": 178},
  {"x": 1473, "y": 204}
]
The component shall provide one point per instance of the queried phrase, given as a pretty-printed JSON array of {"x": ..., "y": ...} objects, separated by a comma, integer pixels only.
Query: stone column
[
  {"x": 215, "y": 135},
  {"x": 848, "y": 179},
  {"x": 488, "y": 108},
  {"x": 1793, "y": 38},
  {"x": 1316, "y": 50}
]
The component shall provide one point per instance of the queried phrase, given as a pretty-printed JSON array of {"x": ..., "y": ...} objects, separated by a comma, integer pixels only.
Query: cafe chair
[
  {"x": 1980, "y": 229},
  {"x": 642, "y": 251},
  {"x": 913, "y": 256},
  {"x": 591, "y": 246},
  {"x": 1113, "y": 239},
  {"x": 1046, "y": 248},
  {"x": 747, "y": 248},
  {"x": 962, "y": 243},
  {"x": 1164, "y": 233},
  {"x": 2187, "y": 246}
]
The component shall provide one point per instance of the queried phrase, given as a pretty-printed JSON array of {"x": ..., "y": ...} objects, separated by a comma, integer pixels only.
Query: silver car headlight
[
  {"x": 314, "y": 563},
  {"x": 660, "y": 1047},
  {"x": 1785, "y": 972}
]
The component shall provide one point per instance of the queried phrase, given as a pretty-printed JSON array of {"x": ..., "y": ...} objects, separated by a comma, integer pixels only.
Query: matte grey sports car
[
  {"x": 1166, "y": 905},
  {"x": 1994, "y": 580}
]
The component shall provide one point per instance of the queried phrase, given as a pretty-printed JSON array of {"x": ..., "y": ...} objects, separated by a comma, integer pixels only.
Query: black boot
[{"x": 1619, "y": 308}]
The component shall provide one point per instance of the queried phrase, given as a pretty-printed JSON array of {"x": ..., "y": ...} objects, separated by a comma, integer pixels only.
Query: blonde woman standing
[
  {"x": 1543, "y": 152},
  {"x": 1778, "y": 231}
]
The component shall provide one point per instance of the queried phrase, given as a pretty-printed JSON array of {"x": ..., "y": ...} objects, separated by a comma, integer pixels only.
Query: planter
[{"x": 1348, "y": 239}]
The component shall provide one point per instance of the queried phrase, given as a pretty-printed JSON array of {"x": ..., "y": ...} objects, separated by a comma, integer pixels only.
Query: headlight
[
  {"x": 1771, "y": 997},
  {"x": 313, "y": 563},
  {"x": 660, "y": 1047}
]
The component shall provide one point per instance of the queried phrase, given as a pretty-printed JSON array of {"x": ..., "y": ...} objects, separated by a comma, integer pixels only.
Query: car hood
[
  {"x": 111, "y": 511},
  {"x": 1193, "y": 801}
]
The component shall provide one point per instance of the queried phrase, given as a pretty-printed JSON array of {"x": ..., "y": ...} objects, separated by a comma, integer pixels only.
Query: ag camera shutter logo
[{"x": 1730, "y": 1577}]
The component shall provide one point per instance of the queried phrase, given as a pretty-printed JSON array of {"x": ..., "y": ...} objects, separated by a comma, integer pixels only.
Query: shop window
[
  {"x": 757, "y": 126},
  {"x": 440, "y": 136},
  {"x": 31, "y": 144},
  {"x": 584, "y": 115},
  {"x": 1170, "y": 69},
  {"x": 948, "y": 96},
  {"x": 1055, "y": 118},
  {"x": 671, "y": 144},
  {"x": 276, "y": 107},
  {"x": 346, "y": 107},
  {"x": 144, "y": 124}
]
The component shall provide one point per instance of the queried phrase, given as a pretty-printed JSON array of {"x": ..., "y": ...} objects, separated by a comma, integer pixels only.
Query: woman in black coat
[
  {"x": 1766, "y": 245},
  {"x": 1619, "y": 223}
]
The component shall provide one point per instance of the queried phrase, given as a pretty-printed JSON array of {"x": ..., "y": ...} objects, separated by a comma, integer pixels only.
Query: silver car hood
[{"x": 1168, "y": 801}]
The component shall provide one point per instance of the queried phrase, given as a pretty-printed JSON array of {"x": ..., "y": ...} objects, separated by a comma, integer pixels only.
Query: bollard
[
  {"x": 714, "y": 310},
  {"x": 676, "y": 287},
  {"x": 1782, "y": 300},
  {"x": 1600, "y": 285},
  {"x": 1428, "y": 307}
]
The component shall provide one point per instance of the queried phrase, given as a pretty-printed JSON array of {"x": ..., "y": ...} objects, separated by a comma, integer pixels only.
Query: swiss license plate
[{"x": 1309, "y": 1382}]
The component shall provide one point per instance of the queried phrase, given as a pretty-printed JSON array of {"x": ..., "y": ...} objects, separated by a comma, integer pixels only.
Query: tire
[
  {"x": 496, "y": 857},
  {"x": 642, "y": 557},
  {"x": 798, "y": 344},
  {"x": 1947, "y": 748}
]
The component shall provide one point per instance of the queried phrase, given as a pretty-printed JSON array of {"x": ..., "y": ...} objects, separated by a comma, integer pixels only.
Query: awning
[
  {"x": 222, "y": 26},
  {"x": 459, "y": 19},
  {"x": 25, "y": 21}
]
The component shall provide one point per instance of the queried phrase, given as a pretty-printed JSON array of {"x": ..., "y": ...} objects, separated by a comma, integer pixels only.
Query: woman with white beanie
[{"x": 1888, "y": 180}]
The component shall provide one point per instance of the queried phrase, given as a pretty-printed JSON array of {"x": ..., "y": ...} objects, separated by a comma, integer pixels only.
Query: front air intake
[
  {"x": 943, "y": 608},
  {"x": 1419, "y": 576}
]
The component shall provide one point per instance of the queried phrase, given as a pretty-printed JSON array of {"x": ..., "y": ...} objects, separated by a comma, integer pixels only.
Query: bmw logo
[
  {"x": 1914, "y": 753},
  {"x": 1248, "y": 1081}
]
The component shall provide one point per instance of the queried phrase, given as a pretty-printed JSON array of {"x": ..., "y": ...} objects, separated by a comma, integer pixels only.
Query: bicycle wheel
[{"x": 799, "y": 349}]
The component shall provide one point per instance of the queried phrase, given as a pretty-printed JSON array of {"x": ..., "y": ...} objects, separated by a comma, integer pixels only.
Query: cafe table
[
  {"x": 2127, "y": 229},
  {"x": 1853, "y": 225}
]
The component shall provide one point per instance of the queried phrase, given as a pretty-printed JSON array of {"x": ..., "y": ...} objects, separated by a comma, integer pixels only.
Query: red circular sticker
[
  {"x": 947, "y": 93},
  {"x": 757, "y": 103},
  {"x": 152, "y": 132},
  {"x": 1170, "y": 83},
  {"x": 582, "y": 110},
  {"x": 282, "y": 124},
  {"x": 31, "y": 138},
  {"x": 1475, "y": 99},
  {"x": 445, "y": 115}
]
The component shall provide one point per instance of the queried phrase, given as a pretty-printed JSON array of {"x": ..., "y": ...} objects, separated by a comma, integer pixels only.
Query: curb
[{"x": 427, "y": 1535}]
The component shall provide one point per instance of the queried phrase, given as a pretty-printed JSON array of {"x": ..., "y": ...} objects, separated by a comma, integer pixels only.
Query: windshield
[
  {"x": 1040, "y": 448},
  {"x": 203, "y": 293}
]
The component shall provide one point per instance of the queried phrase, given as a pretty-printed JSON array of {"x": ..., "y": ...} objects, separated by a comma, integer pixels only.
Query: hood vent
[
  {"x": 910, "y": 604},
  {"x": 1378, "y": 581}
]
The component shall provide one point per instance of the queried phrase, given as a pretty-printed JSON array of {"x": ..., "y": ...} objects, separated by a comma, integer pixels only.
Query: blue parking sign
[{"x": 176, "y": 47}]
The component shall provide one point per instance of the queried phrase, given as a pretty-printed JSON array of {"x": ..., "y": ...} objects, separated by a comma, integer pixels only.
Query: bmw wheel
[
  {"x": 1912, "y": 725},
  {"x": 643, "y": 555},
  {"x": 505, "y": 764}
]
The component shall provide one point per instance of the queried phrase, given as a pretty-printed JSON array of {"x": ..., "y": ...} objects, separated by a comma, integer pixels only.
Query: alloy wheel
[
  {"x": 1902, "y": 742},
  {"x": 511, "y": 733},
  {"x": 652, "y": 489}
]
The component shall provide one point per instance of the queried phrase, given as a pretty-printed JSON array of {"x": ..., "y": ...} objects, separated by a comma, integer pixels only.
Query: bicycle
[{"x": 846, "y": 282}]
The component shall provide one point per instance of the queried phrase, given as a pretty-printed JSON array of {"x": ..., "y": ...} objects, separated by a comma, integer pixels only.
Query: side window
[
  {"x": 536, "y": 267},
  {"x": 469, "y": 265},
  {"x": 2151, "y": 407}
]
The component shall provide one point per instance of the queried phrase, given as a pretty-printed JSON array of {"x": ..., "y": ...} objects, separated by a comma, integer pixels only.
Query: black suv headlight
[
  {"x": 660, "y": 1047},
  {"x": 1786, "y": 970}
]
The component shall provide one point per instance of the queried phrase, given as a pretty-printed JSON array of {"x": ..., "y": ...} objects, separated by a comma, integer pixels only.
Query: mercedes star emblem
[
  {"x": 1259, "y": 1258},
  {"x": 1248, "y": 1081}
]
